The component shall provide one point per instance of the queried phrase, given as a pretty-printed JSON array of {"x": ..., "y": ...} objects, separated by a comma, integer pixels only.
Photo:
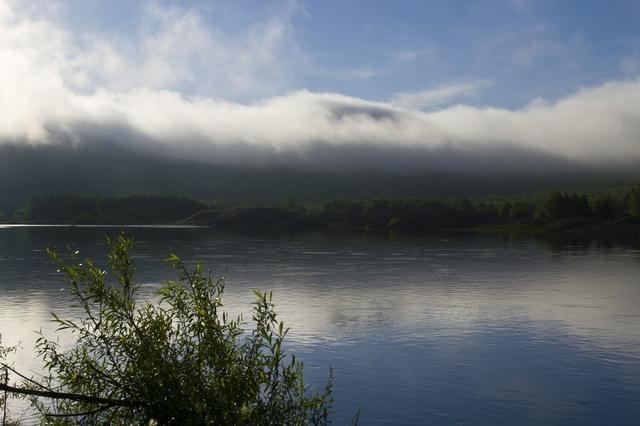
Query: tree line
[
  {"x": 587, "y": 207},
  {"x": 448, "y": 212},
  {"x": 86, "y": 209}
]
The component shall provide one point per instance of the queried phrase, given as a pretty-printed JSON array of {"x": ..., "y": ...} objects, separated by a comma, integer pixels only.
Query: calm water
[{"x": 455, "y": 329}]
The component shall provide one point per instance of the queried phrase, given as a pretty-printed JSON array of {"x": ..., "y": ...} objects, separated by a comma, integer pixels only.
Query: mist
[
  {"x": 60, "y": 88},
  {"x": 595, "y": 128}
]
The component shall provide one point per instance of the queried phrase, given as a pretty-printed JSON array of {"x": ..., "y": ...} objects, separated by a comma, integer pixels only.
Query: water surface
[{"x": 441, "y": 329}]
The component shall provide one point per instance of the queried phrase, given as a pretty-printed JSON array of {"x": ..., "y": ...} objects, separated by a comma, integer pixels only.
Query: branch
[
  {"x": 84, "y": 413},
  {"x": 71, "y": 396},
  {"x": 25, "y": 378}
]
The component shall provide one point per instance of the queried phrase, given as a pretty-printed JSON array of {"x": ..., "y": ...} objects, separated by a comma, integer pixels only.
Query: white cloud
[
  {"x": 440, "y": 95},
  {"x": 50, "y": 90},
  {"x": 362, "y": 73},
  {"x": 173, "y": 50}
]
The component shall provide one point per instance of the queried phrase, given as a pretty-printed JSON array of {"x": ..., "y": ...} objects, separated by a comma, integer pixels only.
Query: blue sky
[{"x": 505, "y": 52}]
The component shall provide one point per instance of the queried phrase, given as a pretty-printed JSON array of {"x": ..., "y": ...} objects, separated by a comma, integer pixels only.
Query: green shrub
[
  {"x": 180, "y": 361},
  {"x": 3, "y": 377}
]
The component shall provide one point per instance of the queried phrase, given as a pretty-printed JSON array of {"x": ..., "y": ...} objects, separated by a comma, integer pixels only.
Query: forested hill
[{"x": 109, "y": 170}]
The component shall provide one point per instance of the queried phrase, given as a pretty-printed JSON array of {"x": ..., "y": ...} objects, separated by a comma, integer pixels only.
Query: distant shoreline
[
  {"x": 611, "y": 212},
  {"x": 69, "y": 225}
]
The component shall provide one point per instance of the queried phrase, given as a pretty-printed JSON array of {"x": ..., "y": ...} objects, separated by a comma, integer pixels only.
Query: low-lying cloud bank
[
  {"x": 596, "y": 128},
  {"x": 48, "y": 94}
]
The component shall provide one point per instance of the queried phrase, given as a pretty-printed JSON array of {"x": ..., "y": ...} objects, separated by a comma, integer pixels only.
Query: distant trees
[
  {"x": 424, "y": 213},
  {"x": 605, "y": 207},
  {"x": 82, "y": 209},
  {"x": 403, "y": 212},
  {"x": 633, "y": 201},
  {"x": 516, "y": 211},
  {"x": 559, "y": 205},
  {"x": 394, "y": 212}
]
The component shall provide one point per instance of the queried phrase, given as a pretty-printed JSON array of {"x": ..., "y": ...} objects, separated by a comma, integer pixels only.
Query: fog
[
  {"x": 57, "y": 88},
  {"x": 595, "y": 128}
]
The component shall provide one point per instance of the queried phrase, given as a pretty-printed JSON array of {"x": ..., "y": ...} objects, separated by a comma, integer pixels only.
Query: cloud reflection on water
[{"x": 477, "y": 315}]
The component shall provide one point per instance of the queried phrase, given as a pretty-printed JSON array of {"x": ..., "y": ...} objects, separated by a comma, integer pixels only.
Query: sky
[{"x": 329, "y": 84}]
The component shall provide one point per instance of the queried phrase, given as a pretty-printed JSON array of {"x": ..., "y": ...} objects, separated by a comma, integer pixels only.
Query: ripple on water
[{"x": 470, "y": 329}]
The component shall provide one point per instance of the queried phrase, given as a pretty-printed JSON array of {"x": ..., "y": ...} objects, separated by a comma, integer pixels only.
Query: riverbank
[
  {"x": 273, "y": 219},
  {"x": 612, "y": 212}
]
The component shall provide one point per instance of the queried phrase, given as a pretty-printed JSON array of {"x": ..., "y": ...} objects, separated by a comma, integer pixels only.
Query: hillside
[{"x": 103, "y": 169}]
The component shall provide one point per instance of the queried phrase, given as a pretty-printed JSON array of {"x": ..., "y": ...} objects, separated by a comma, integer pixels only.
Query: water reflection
[{"x": 443, "y": 328}]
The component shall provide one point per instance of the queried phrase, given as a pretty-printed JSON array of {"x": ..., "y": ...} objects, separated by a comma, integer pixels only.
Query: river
[{"x": 453, "y": 328}]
